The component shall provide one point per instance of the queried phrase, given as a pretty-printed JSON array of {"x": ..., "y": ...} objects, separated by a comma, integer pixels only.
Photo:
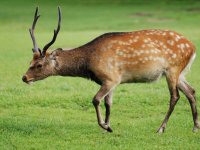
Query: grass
[{"x": 57, "y": 113}]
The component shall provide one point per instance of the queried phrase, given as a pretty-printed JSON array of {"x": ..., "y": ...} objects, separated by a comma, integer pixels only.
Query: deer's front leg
[
  {"x": 174, "y": 97},
  {"x": 104, "y": 91},
  {"x": 108, "y": 103}
]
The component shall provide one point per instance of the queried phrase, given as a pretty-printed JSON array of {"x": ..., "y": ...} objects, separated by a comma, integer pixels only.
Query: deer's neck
[{"x": 72, "y": 63}]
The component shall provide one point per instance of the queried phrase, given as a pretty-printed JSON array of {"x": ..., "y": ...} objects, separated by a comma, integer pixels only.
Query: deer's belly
[{"x": 142, "y": 76}]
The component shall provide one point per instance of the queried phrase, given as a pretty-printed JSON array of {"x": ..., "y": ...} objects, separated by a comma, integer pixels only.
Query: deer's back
[{"x": 139, "y": 56}]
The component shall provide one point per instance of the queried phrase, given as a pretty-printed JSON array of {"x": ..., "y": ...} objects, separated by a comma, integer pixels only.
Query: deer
[{"x": 116, "y": 58}]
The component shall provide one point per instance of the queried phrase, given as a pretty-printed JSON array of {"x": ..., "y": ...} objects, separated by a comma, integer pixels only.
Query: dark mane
[{"x": 106, "y": 35}]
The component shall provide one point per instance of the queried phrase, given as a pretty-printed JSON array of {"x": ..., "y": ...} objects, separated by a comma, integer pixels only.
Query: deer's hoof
[
  {"x": 195, "y": 129},
  {"x": 109, "y": 129},
  {"x": 105, "y": 127},
  {"x": 161, "y": 130}
]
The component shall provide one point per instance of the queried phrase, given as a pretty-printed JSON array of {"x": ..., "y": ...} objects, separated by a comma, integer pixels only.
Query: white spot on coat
[
  {"x": 141, "y": 51},
  {"x": 120, "y": 53},
  {"x": 145, "y": 41},
  {"x": 187, "y": 45},
  {"x": 182, "y": 46},
  {"x": 177, "y": 38},
  {"x": 143, "y": 46},
  {"x": 171, "y": 33},
  {"x": 174, "y": 56},
  {"x": 110, "y": 63},
  {"x": 170, "y": 42}
]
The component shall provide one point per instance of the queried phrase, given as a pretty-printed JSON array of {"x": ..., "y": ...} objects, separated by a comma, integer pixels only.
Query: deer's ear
[
  {"x": 52, "y": 56},
  {"x": 59, "y": 49},
  {"x": 36, "y": 55},
  {"x": 47, "y": 54},
  {"x": 56, "y": 52}
]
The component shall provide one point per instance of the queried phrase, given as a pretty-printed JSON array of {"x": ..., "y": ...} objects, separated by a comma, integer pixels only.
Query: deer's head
[{"x": 42, "y": 64}]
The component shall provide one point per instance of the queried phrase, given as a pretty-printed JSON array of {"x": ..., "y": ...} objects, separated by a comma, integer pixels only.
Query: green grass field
[{"x": 57, "y": 113}]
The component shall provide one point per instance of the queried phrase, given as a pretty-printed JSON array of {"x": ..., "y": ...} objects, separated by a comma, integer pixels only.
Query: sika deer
[{"x": 115, "y": 58}]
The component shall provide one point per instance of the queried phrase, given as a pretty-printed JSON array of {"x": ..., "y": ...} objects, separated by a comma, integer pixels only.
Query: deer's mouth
[
  {"x": 26, "y": 80},
  {"x": 30, "y": 82}
]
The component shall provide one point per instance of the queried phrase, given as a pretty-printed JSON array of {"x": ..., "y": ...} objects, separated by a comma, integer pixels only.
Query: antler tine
[
  {"x": 31, "y": 30},
  {"x": 56, "y": 31}
]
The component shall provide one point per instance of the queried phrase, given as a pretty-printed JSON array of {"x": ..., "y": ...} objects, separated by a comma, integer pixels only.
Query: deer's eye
[
  {"x": 39, "y": 66},
  {"x": 32, "y": 67}
]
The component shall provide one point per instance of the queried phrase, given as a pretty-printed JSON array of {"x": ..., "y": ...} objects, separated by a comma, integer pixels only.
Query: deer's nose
[{"x": 24, "y": 78}]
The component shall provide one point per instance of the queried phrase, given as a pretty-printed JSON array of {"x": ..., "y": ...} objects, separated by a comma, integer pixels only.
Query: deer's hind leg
[
  {"x": 172, "y": 80},
  {"x": 189, "y": 92}
]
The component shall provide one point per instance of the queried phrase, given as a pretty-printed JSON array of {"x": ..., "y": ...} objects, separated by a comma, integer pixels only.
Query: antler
[
  {"x": 31, "y": 30},
  {"x": 55, "y": 33}
]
